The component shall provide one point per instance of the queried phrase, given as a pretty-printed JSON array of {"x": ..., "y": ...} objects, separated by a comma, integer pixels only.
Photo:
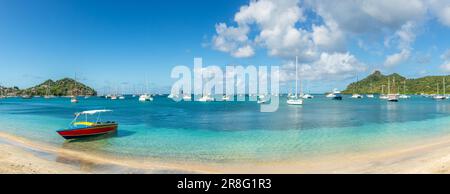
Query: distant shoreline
[{"x": 20, "y": 155}]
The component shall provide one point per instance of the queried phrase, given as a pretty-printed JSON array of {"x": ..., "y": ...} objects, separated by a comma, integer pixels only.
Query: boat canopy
[{"x": 91, "y": 112}]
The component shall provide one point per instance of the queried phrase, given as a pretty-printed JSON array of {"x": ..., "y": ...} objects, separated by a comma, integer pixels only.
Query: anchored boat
[{"x": 87, "y": 127}]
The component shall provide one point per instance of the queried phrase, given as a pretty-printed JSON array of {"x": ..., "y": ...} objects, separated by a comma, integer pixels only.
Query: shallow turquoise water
[{"x": 233, "y": 131}]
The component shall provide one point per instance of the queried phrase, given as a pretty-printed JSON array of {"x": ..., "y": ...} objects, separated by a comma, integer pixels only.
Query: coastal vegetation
[
  {"x": 62, "y": 87},
  {"x": 374, "y": 84}
]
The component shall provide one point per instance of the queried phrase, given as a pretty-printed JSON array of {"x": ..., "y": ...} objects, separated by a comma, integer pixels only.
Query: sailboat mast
[
  {"x": 389, "y": 86},
  {"x": 443, "y": 85},
  {"x": 296, "y": 76}
]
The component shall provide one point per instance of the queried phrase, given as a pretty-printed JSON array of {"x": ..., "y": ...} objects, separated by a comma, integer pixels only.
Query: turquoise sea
[{"x": 233, "y": 131}]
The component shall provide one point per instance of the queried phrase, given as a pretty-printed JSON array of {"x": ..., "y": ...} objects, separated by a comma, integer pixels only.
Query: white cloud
[
  {"x": 335, "y": 66},
  {"x": 231, "y": 39},
  {"x": 446, "y": 66},
  {"x": 446, "y": 55},
  {"x": 397, "y": 58},
  {"x": 282, "y": 28},
  {"x": 245, "y": 51},
  {"x": 405, "y": 36},
  {"x": 441, "y": 9}
]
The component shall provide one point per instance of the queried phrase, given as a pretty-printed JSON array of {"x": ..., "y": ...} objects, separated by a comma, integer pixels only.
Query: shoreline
[{"x": 20, "y": 155}]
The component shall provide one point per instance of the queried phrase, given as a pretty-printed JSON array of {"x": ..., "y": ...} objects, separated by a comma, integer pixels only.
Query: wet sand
[{"x": 20, "y": 155}]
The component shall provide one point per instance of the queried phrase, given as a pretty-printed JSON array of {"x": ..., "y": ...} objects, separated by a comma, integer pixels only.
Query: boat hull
[{"x": 88, "y": 131}]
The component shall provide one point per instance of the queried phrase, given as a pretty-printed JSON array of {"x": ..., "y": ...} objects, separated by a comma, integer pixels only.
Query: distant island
[
  {"x": 62, "y": 87},
  {"x": 374, "y": 83}
]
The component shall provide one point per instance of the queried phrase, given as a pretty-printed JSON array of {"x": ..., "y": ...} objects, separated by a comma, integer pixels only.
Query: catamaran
[
  {"x": 295, "y": 100},
  {"x": 87, "y": 127}
]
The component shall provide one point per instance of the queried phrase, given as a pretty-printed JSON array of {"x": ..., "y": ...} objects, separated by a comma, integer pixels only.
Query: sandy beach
[{"x": 19, "y": 155}]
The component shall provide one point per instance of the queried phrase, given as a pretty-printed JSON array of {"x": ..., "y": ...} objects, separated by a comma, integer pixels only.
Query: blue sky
[{"x": 123, "y": 43}]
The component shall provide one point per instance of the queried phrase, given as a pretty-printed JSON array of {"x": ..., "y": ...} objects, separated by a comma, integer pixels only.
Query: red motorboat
[{"x": 86, "y": 128}]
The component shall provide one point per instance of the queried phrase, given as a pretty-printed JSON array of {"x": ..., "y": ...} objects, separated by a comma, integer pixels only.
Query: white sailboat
[
  {"x": 382, "y": 95},
  {"x": 295, "y": 100},
  {"x": 404, "y": 96},
  {"x": 206, "y": 98},
  {"x": 392, "y": 97},
  {"x": 371, "y": 90},
  {"x": 438, "y": 96},
  {"x": 306, "y": 96},
  {"x": 73, "y": 98},
  {"x": 356, "y": 95},
  {"x": 145, "y": 97}
]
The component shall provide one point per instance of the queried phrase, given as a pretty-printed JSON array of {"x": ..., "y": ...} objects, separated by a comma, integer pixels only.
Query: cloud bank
[{"x": 317, "y": 31}]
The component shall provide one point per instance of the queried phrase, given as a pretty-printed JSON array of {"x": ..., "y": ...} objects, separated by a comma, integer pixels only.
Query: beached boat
[{"x": 87, "y": 128}]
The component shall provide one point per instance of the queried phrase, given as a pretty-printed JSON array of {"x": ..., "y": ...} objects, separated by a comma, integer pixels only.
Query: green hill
[
  {"x": 62, "y": 87},
  {"x": 374, "y": 83}
]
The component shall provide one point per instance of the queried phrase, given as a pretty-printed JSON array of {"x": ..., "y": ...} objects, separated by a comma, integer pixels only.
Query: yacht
[
  {"x": 370, "y": 96},
  {"x": 335, "y": 95},
  {"x": 307, "y": 96},
  {"x": 262, "y": 99},
  {"x": 357, "y": 96},
  {"x": 145, "y": 97}
]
